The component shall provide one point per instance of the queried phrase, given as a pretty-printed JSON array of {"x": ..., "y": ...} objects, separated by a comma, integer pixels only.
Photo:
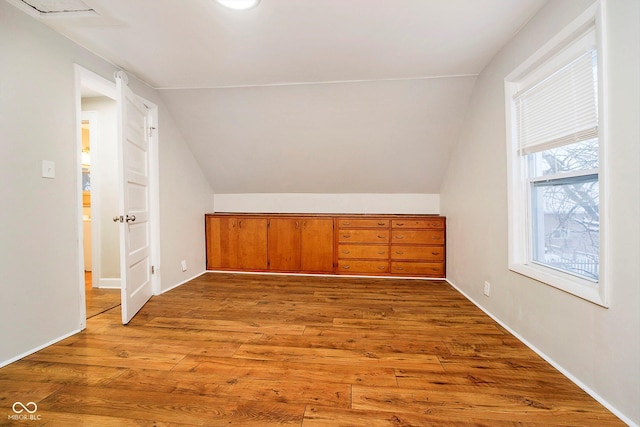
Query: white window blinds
[{"x": 563, "y": 107}]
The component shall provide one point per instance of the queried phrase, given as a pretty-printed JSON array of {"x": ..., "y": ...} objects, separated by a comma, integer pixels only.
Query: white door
[{"x": 135, "y": 232}]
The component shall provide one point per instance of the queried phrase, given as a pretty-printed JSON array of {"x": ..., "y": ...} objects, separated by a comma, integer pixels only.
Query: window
[{"x": 555, "y": 145}]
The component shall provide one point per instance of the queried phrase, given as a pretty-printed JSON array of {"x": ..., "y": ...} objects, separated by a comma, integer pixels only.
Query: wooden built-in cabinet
[
  {"x": 300, "y": 244},
  {"x": 397, "y": 245},
  {"x": 236, "y": 243},
  {"x": 418, "y": 247},
  {"x": 363, "y": 245},
  {"x": 293, "y": 244}
]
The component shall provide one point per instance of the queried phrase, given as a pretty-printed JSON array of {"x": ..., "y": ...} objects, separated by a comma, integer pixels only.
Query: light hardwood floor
[
  {"x": 99, "y": 300},
  {"x": 258, "y": 350}
]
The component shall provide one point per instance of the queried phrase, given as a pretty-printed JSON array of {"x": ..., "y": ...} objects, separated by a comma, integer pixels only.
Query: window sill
[{"x": 573, "y": 285}]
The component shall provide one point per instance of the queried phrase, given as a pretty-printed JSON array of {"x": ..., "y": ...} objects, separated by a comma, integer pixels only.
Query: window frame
[{"x": 520, "y": 224}]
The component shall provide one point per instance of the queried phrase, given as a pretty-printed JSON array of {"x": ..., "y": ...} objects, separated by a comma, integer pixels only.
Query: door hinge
[
  {"x": 153, "y": 269},
  {"x": 151, "y": 129}
]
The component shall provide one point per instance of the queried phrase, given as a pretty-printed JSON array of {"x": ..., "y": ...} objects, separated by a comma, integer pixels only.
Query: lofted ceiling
[{"x": 307, "y": 95}]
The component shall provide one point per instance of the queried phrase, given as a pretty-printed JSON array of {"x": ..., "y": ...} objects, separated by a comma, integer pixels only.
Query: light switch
[{"x": 48, "y": 169}]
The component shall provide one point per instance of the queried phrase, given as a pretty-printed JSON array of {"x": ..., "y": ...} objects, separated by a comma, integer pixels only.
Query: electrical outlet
[
  {"x": 183, "y": 264},
  {"x": 487, "y": 288}
]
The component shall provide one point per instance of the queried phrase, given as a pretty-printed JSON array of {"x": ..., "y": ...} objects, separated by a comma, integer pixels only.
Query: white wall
[
  {"x": 598, "y": 347},
  {"x": 377, "y": 137},
  {"x": 328, "y": 203},
  {"x": 39, "y": 234},
  {"x": 185, "y": 196}
]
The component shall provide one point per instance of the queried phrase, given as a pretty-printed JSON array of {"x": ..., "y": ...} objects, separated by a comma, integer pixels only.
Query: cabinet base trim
[{"x": 367, "y": 276}]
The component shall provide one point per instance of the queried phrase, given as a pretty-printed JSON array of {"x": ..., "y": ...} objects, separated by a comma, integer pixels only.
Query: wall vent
[{"x": 50, "y": 8}]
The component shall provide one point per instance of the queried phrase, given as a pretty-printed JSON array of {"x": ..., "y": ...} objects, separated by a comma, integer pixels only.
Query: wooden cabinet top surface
[{"x": 327, "y": 215}]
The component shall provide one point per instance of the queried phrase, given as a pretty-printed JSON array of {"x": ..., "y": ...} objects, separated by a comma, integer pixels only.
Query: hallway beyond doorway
[{"x": 99, "y": 300}]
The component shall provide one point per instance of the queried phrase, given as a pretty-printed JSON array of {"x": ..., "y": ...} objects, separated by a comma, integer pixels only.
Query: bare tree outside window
[{"x": 565, "y": 208}]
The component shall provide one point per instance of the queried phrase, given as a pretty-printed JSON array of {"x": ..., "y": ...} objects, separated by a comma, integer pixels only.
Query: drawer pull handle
[
  {"x": 346, "y": 223},
  {"x": 400, "y": 224},
  {"x": 399, "y": 268},
  {"x": 399, "y": 237},
  {"x": 381, "y": 223},
  {"x": 348, "y": 252},
  {"x": 400, "y": 252},
  {"x": 382, "y": 237},
  {"x": 381, "y": 252},
  {"x": 346, "y": 236},
  {"x": 435, "y": 253},
  {"x": 381, "y": 268},
  {"x": 346, "y": 267}
]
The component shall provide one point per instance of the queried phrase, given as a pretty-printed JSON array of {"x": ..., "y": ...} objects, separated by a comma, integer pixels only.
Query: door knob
[
  {"x": 118, "y": 218},
  {"x": 131, "y": 218}
]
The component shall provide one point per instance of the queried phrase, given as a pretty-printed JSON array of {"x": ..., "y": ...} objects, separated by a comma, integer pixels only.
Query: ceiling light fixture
[{"x": 239, "y": 4}]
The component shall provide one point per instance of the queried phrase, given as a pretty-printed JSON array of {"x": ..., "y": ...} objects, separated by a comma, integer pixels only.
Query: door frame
[{"x": 88, "y": 79}]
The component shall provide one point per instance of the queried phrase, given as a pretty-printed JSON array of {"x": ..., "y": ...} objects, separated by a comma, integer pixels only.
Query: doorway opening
[
  {"x": 99, "y": 163},
  {"x": 119, "y": 196}
]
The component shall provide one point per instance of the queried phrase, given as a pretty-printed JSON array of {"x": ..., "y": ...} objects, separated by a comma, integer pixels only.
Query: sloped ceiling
[
  {"x": 368, "y": 137},
  {"x": 327, "y": 96}
]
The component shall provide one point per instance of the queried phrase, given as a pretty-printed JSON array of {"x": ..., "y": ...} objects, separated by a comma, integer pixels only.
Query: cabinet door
[
  {"x": 284, "y": 244},
  {"x": 222, "y": 242},
  {"x": 252, "y": 243},
  {"x": 316, "y": 253}
]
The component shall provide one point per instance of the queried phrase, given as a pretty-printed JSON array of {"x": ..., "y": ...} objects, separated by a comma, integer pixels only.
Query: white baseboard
[
  {"x": 40, "y": 347},
  {"x": 183, "y": 282},
  {"x": 106, "y": 283},
  {"x": 552, "y": 362}
]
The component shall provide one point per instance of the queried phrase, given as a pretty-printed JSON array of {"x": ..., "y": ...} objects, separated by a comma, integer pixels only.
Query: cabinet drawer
[
  {"x": 437, "y": 223},
  {"x": 426, "y": 253},
  {"x": 363, "y": 251},
  {"x": 363, "y": 223},
  {"x": 431, "y": 269},
  {"x": 422, "y": 237},
  {"x": 363, "y": 236},
  {"x": 368, "y": 267}
]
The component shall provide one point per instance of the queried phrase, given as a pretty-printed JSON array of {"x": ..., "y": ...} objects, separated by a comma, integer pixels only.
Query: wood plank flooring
[
  {"x": 99, "y": 300},
  {"x": 258, "y": 350}
]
